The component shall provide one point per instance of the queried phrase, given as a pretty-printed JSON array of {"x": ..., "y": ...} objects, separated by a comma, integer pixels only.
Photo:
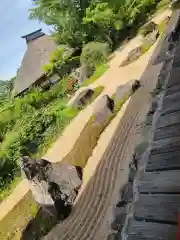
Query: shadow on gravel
[{"x": 39, "y": 226}]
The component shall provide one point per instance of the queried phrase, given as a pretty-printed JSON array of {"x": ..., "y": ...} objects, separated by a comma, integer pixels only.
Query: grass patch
[
  {"x": 100, "y": 70},
  {"x": 8, "y": 190},
  {"x": 88, "y": 139}
]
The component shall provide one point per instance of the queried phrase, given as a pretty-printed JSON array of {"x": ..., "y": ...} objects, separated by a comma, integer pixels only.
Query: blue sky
[{"x": 14, "y": 23}]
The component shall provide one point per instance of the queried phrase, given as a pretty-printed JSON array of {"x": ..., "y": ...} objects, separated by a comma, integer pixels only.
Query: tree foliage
[
  {"x": 65, "y": 16},
  {"x": 76, "y": 22},
  {"x": 94, "y": 53},
  {"x": 61, "y": 62}
]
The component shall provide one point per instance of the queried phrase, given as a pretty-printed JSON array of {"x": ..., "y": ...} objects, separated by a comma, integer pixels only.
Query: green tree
[
  {"x": 66, "y": 18},
  {"x": 102, "y": 18}
]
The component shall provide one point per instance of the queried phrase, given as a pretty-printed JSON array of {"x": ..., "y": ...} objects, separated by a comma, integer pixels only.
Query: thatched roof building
[{"x": 39, "y": 48}]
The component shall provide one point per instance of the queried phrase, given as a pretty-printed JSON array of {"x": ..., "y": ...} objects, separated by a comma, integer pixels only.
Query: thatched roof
[{"x": 39, "y": 48}]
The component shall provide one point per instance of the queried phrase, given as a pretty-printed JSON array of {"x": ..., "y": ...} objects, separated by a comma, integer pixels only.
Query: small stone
[
  {"x": 154, "y": 106},
  {"x": 135, "y": 161},
  {"x": 120, "y": 214},
  {"x": 127, "y": 192},
  {"x": 103, "y": 109},
  {"x": 85, "y": 73},
  {"x": 149, "y": 119},
  {"x": 121, "y": 204},
  {"x": 119, "y": 218},
  {"x": 135, "y": 85},
  {"x": 132, "y": 56},
  {"x": 132, "y": 174}
]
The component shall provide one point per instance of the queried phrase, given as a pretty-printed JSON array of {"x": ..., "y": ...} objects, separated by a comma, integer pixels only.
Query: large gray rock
[
  {"x": 82, "y": 73},
  {"x": 103, "y": 109},
  {"x": 53, "y": 185},
  {"x": 124, "y": 90},
  {"x": 121, "y": 91},
  {"x": 81, "y": 98},
  {"x": 85, "y": 73}
]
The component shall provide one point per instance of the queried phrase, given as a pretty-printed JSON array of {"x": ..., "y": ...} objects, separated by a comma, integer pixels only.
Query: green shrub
[{"x": 94, "y": 53}]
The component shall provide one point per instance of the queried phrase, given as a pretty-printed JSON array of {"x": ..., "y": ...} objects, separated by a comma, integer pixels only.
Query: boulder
[
  {"x": 154, "y": 106},
  {"x": 148, "y": 28},
  {"x": 151, "y": 38},
  {"x": 132, "y": 56},
  {"x": 81, "y": 98},
  {"x": 103, "y": 109},
  {"x": 122, "y": 91},
  {"x": 82, "y": 73},
  {"x": 85, "y": 72},
  {"x": 54, "y": 186},
  {"x": 129, "y": 87},
  {"x": 121, "y": 204}
]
